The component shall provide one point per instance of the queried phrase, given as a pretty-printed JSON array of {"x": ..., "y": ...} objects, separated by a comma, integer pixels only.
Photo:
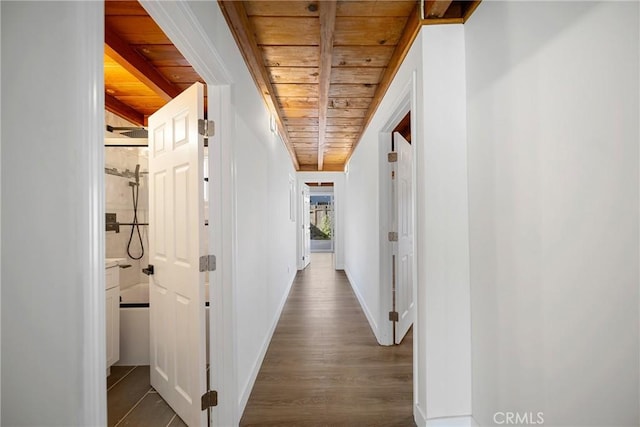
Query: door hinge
[
  {"x": 393, "y": 236},
  {"x": 208, "y": 263},
  {"x": 209, "y": 399},
  {"x": 206, "y": 128},
  {"x": 392, "y": 157},
  {"x": 393, "y": 316},
  {"x": 393, "y": 174}
]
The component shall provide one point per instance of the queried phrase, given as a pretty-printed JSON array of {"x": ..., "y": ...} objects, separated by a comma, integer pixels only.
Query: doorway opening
[
  {"x": 397, "y": 192},
  {"x": 327, "y": 189},
  {"x": 401, "y": 237},
  {"x": 398, "y": 269},
  {"x": 165, "y": 218},
  {"x": 321, "y": 217}
]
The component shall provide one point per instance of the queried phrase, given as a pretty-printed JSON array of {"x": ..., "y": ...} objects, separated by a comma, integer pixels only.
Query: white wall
[
  {"x": 361, "y": 229},
  {"x": 367, "y": 215},
  {"x": 442, "y": 366},
  {"x": 338, "y": 179},
  {"x": 553, "y": 181},
  {"x": 265, "y": 248},
  {"x": 443, "y": 247},
  {"x": 53, "y": 356}
]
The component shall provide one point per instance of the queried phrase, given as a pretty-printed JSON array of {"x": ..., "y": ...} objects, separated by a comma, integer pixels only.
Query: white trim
[
  {"x": 90, "y": 22},
  {"x": 301, "y": 260},
  {"x": 370, "y": 317},
  {"x": 418, "y": 414},
  {"x": 384, "y": 266},
  {"x": 183, "y": 28},
  {"x": 405, "y": 102},
  {"x": 338, "y": 238},
  {"x": 255, "y": 369},
  {"x": 222, "y": 323},
  {"x": 465, "y": 421}
]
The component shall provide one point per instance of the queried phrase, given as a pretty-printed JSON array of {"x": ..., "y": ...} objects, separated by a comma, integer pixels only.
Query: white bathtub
[
  {"x": 139, "y": 294},
  {"x": 134, "y": 325}
]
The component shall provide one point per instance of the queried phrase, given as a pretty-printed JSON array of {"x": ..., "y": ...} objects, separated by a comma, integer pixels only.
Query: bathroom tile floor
[{"x": 131, "y": 401}]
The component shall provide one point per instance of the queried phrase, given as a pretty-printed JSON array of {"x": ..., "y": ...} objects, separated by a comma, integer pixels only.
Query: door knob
[{"x": 149, "y": 270}]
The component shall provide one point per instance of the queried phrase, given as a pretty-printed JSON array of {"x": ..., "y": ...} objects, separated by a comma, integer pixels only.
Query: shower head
[{"x": 130, "y": 131}]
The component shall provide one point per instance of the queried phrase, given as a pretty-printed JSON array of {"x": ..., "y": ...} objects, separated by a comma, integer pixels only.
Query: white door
[
  {"x": 306, "y": 225},
  {"x": 176, "y": 241},
  {"x": 404, "y": 257}
]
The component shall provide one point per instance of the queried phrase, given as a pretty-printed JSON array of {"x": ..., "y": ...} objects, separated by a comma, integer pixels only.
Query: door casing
[{"x": 406, "y": 102}]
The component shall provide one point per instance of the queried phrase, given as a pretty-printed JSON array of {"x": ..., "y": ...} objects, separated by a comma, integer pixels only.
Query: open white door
[
  {"x": 306, "y": 225},
  {"x": 405, "y": 306},
  {"x": 176, "y": 241}
]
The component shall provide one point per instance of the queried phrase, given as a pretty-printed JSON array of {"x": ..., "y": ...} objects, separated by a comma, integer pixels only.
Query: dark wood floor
[
  {"x": 324, "y": 366},
  {"x": 131, "y": 401}
]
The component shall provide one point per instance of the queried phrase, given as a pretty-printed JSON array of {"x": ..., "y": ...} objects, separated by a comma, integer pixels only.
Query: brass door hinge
[{"x": 393, "y": 316}]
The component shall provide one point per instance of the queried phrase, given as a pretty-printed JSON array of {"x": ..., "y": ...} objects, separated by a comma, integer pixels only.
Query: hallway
[{"x": 324, "y": 366}]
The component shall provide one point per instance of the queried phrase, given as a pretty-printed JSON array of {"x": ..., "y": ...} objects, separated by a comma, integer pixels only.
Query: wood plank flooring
[
  {"x": 131, "y": 401},
  {"x": 324, "y": 366}
]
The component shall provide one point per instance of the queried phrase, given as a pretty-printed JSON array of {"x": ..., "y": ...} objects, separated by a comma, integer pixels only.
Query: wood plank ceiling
[
  {"x": 143, "y": 70},
  {"x": 322, "y": 66}
]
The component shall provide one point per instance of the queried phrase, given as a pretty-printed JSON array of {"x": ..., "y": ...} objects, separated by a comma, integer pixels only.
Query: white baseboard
[
  {"x": 255, "y": 369},
  {"x": 466, "y": 421},
  {"x": 372, "y": 320},
  {"x": 418, "y": 415}
]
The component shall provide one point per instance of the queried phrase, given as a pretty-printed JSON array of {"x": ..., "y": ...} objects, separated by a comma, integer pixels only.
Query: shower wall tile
[{"x": 118, "y": 199}]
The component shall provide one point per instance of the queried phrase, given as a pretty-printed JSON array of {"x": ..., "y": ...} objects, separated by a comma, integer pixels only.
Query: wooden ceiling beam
[
  {"x": 436, "y": 8},
  {"x": 121, "y": 52},
  {"x": 237, "y": 19},
  {"x": 121, "y": 109},
  {"x": 327, "y": 27}
]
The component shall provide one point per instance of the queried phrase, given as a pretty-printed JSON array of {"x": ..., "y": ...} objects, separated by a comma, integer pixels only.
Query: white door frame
[
  {"x": 321, "y": 176},
  {"x": 301, "y": 228},
  {"x": 406, "y": 102},
  {"x": 183, "y": 28}
]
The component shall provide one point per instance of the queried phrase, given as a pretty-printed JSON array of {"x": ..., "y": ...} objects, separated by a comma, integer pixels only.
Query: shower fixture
[
  {"x": 135, "y": 224},
  {"x": 137, "y": 177},
  {"x": 129, "y": 131}
]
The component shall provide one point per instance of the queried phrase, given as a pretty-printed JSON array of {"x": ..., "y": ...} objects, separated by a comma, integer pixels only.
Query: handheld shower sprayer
[
  {"x": 137, "y": 177},
  {"x": 135, "y": 191}
]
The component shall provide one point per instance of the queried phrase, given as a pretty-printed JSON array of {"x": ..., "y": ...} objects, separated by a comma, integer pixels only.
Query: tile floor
[{"x": 131, "y": 401}]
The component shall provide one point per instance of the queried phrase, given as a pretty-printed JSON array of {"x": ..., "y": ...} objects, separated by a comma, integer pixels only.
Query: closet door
[
  {"x": 405, "y": 305},
  {"x": 176, "y": 242}
]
